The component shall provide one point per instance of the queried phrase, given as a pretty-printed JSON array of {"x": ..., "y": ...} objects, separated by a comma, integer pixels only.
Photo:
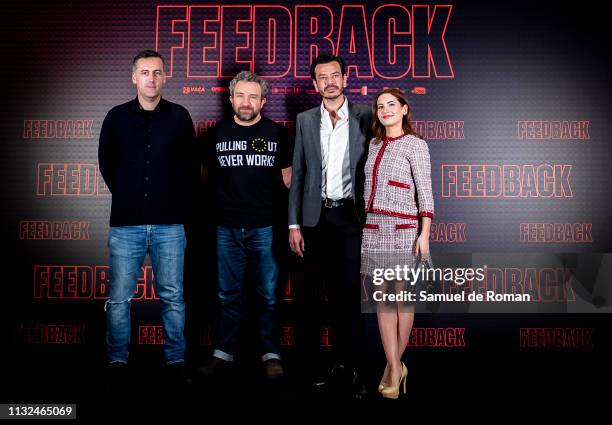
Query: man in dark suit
[{"x": 326, "y": 207}]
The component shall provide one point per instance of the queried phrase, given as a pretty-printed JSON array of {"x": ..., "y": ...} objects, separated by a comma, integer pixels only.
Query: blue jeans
[
  {"x": 165, "y": 243},
  {"x": 239, "y": 250}
]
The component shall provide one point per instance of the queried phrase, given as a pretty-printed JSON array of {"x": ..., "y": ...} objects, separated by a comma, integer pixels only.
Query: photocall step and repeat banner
[{"x": 511, "y": 97}]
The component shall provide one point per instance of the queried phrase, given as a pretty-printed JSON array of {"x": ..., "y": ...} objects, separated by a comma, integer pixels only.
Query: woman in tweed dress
[{"x": 399, "y": 206}]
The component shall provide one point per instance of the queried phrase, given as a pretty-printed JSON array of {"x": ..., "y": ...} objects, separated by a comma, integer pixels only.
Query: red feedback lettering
[
  {"x": 43, "y": 333},
  {"x": 437, "y": 337},
  {"x": 212, "y": 41},
  {"x": 550, "y": 130},
  {"x": 556, "y": 232},
  {"x": 440, "y": 130},
  {"x": 54, "y": 230},
  {"x": 84, "y": 282},
  {"x": 556, "y": 337},
  {"x": 288, "y": 290},
  {"x": 150, "y": 335},
  {"x": 448, "y": 232},
  {"x": 545, "y": 284},
  {"x": 58, "y": 129},
  {"x": 63, "y": 179},
  {"x": 287, "y": 336},
  {"x": 63, "y": 282},
  {"x": 325, "y": 337},
  {"x": 506, "y": 181},
  {"x": 63, "y": 334},
  {"x": 145, "y": 286},
  {"x": 102, "y": 282}
]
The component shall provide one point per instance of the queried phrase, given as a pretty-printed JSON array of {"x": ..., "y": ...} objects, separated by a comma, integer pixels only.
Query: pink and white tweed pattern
[{"x": 398, "y": 178}]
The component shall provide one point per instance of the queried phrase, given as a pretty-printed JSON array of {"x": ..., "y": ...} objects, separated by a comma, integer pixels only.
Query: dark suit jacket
[{"x": 305, "y": 192}]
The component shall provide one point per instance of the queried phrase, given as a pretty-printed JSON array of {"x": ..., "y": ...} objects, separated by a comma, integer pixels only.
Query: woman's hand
[{"x": 422, "y": 245}]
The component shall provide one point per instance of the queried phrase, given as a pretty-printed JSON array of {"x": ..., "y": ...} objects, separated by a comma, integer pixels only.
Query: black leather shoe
[
  {"x": 273, "y": 369},
  {"x": 214, "y": 367},
  {"x": 348, "y": 381},
  {"x": 340, "y": 375},
  {"x": 322, "y": 378},
  {"x": 359, "y": 388},
  {"x": 319, "y": 382}
]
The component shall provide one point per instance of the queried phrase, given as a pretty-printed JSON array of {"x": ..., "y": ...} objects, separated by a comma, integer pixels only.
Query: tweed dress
[{"x": 397, "y": 192}]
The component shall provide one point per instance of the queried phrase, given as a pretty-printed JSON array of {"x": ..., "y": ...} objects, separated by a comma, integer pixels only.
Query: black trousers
[{"x": 331, "y": 290}]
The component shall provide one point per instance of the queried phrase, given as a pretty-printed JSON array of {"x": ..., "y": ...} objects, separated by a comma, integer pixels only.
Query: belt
[
  {"x": 397, "y": 226},
  {"x": 333, "y": 203}
]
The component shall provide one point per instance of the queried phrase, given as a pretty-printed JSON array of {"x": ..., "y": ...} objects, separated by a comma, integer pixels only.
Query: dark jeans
[
  {"x": 239, "y": 250},
  {"x": 165, "y": 243}
]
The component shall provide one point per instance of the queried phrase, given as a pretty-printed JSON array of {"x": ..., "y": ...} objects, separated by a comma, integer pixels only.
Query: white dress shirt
[
  {"x": 336, "y": 176},
  {"x": 335, "y": 170}
]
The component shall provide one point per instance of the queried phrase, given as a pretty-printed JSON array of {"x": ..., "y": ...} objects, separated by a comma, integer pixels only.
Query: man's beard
[{"x": 246, "y": 116}]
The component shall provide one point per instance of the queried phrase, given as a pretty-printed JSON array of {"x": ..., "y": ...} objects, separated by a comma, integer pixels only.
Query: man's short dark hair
[
  {"x": 143, "y": 54},
  {"x": 326, "y": 58}
]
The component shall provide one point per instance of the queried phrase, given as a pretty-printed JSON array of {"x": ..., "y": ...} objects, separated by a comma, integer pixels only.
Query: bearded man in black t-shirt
[{"x": 247, "y": 158}]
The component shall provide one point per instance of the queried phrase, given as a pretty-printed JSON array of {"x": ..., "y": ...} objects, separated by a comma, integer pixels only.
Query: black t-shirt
[{"x": 245, "y": 165}]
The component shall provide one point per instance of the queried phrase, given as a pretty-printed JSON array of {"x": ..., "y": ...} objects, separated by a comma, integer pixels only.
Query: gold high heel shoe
[
  {"x": 394, "y": 391},
  {"x": 382, "y": 385}
]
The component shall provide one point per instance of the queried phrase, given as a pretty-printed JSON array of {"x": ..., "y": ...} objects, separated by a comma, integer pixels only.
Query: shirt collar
[
  {"x": 342, "y": 112},
  {"x": 138, "y": 109}
]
